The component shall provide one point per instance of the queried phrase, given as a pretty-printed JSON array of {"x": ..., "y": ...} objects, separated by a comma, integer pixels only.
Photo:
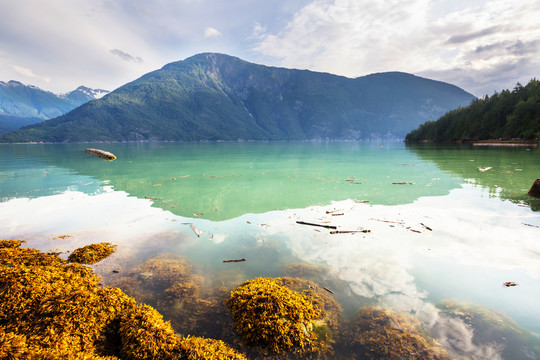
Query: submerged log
[
  {"x": 234, "y": 260},
  {"x": 320, "y": 225},
  {"x": 349, "y": 231},
  {"x": 101, "y": 153},
  {"x": 535, "y": 189}
]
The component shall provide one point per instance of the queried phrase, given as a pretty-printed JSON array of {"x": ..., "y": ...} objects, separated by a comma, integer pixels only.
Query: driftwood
[
  {"x": 349, "y": 231},
  {"x": 426, "y": 227},
  {"x": 388, "y": 221},
  {"x": 510, "y": 283},
  {"x": 320, "y": 225},
  {"x": 327, "y": 289},
  {"x": 195, "y": 230},
  {"x": 101, "y": 153},
  {"x": 403, "y": 183},
  {"x": 333, "y": 211},
  {"x": 233, "y": 261}
]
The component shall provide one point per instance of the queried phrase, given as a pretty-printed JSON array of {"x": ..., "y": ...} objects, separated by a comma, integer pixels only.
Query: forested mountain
[
  {"x": 508, "y": 114},
  {"x": 219, "y": 97},
  {"x": 21, "y": 105}
]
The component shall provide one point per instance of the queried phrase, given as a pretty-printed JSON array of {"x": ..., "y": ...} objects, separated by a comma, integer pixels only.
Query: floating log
[
  {"x": 233, "y": 261},
  {"x": 510, "y": 283},
  {"x": 327, "y": 289},
  {"x": 349, "y": 231},
  {"x": 333, "y": 211},
  {"x": 535, "y": 189},
  {"x": 101, "y": 153},
  {"x": 320, "y": 225},
  {"x": 426, "y": 227},
  {"x": 195, "y": 230},
  {"x": 403, "y": 183}
]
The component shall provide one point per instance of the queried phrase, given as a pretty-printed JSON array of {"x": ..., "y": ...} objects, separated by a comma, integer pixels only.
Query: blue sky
[{"x": 482, "y": 46}]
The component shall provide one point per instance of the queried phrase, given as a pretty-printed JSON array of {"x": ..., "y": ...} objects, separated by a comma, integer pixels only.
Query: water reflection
[
  {"x": 421, "y": 250},
  {"x": 507, "y": 172},
  {"x": 471, "y": 249},
  {"x": 220, "y": 181}
]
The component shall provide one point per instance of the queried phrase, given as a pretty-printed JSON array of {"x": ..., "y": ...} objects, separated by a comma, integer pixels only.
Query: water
[{"x": 440, "y": 227}]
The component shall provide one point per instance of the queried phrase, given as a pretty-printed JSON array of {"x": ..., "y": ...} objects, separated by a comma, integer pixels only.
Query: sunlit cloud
[
  {"x": 28, "y": 73},
  {"x": 353, "y": 38},
  {"x": 211, "y": 32}
]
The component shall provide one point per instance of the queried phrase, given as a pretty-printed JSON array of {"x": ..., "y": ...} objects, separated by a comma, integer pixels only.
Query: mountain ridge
[
  {"x": 213, "y": 97},
  {"x": 21, "y": 104}
]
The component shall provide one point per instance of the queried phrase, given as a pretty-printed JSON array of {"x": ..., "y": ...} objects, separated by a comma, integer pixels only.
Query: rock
[{"x": 535, "y": 189}]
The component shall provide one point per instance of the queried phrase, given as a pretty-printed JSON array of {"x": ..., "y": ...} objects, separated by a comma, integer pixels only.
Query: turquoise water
[{"x": 244, "y": 200}]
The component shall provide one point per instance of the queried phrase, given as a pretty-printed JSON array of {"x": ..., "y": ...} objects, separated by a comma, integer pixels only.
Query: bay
[{"x": 441, "y": 225}]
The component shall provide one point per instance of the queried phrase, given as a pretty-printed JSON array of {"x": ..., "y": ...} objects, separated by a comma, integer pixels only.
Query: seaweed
[
  {"x": 92, "y": 254},
  {"x": 52, "y": 309},
  {"x": 274, "y": 318},
  {"x": 378, "y": 333}
]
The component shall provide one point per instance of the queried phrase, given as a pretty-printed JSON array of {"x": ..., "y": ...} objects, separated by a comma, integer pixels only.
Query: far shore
[{"x": 489, "y": 142}]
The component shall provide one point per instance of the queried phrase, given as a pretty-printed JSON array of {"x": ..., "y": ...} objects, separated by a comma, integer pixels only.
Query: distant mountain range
[
  {"x": 22, "y": 105},
  {"x": 213, "y": 97}
]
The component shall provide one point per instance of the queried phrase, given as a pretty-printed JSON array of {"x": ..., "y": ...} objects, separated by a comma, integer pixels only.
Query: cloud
[
  {"x": 28, "y": 73},
  {"x": 210, "y": 32},
  {"x": 125, "y": 56},
  {"x": 461, "y": 38},
  {"x": 358, "y": 37}
]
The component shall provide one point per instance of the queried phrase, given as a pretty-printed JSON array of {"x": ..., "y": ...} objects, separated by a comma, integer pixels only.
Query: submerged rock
[
  {"x": 93, "y": 253},
  {"x": 535, "y": 189},
  {"x": 378, "y": 333}
]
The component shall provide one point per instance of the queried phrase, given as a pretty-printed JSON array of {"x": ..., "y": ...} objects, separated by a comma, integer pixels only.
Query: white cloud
[
  {"x": 357, "y": 37},
  {"x": 28, "y": 73},
  {"x": 210, "y": 32}
]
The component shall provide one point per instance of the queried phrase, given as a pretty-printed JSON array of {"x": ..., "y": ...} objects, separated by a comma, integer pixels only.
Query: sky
[{"x": 481, "y": 46}]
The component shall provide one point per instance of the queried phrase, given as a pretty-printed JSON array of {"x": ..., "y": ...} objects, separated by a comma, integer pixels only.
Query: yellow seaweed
[
  {"x": 273, "y": 317},
  {"x": 92, "y": 254},
  {"x": 52, "y": 309}
]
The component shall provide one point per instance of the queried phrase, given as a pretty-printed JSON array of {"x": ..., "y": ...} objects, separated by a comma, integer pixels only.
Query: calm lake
[{"x": 448, "y": 225}]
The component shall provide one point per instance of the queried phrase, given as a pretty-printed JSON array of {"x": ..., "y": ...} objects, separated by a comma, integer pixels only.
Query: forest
[{"x": 506, "y": 115}]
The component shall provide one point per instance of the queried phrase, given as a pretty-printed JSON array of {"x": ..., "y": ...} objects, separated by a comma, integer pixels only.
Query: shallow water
[{"x": 439, "y": 227}]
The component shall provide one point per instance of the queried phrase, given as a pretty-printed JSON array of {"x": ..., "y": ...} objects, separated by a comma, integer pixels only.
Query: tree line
[{"x": 504, "y": 115}]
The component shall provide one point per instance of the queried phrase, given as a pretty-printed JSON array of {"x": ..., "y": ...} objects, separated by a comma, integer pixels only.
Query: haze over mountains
[
  {"x": 212, "y": 97},
  {"x": 21, "y": 105}
]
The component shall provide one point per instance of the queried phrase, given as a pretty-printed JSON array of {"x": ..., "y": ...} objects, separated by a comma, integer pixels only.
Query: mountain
[
  {"x": 212, "y": 97},
  {"x": 508, "y": 114},
  {"x": 21, "y": 105}
]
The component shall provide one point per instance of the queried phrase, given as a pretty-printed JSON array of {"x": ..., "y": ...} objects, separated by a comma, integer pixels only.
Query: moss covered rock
[
  {"x": 92, "y": 254},
  {"x": 377, "y": 333},
  {"x": 273, "y": 317}
]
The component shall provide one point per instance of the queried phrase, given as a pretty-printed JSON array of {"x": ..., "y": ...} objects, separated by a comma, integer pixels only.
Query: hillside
[
  {"x": 21, "y": 105},
  {"x": 218, "y": 97},
  {"x": 508, "y": 114}
]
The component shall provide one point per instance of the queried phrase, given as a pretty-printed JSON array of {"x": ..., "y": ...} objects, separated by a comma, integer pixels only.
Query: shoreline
[{"x": 488, "y": 142}]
